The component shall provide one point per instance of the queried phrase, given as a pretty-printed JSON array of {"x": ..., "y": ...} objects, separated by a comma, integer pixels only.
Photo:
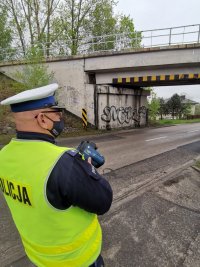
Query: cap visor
[{"x": 58, "y": 107}]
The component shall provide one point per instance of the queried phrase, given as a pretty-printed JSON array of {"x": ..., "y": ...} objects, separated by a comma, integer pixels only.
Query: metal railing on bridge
[{"x": 189, "y": 34}]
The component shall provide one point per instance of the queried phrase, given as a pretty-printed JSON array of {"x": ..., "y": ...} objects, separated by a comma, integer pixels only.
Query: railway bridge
[{"x": 110, "y": 85}]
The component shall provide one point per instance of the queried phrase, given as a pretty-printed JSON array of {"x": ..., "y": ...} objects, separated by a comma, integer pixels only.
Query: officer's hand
[{"x": 90, "y": 160}]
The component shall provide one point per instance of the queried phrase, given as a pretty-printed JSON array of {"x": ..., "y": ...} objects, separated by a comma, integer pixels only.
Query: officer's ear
[{"x": 43, "y": 121}]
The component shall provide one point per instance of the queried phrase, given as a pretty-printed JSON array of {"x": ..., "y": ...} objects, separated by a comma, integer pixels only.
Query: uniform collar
[{"x": 35, "y": 136}]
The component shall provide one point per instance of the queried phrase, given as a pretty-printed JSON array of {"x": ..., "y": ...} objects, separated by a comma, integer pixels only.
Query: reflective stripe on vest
[{"x": 51, "y": 237}]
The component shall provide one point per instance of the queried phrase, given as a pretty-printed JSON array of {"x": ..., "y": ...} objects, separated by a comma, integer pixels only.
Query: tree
[
  {"x": 162, "y": 109},
  {"x": 153, "y": 106},
  {"x": 31, "y": 21},
  {"x": 74, "y": 20},
  {"x": 178, "y": 107},
  {"x": 103, "y": 25},
  {"x": 6, "y": 34},
  {"x": 197, "y": 109},
  {"x": 131, "y": 38},
  {"x": 67, "y": 27},
  {"x": 184, "y": 110},
  {"x": 174, "y": 105},
  {"x": 113, "y": 32}
]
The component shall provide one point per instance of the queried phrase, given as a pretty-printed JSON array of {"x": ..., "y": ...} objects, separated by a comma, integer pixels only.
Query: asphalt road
[
  {"x": 154, "y": 220},
  {"x": 126, "y": 147}
]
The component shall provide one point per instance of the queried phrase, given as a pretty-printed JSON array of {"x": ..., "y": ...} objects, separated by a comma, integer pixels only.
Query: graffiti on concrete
[{"x": 124, "y": 114}]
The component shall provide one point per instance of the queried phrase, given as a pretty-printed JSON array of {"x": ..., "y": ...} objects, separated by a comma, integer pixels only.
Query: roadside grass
[
  {"x": 5, "y": 138},
  {"x": 82, "y": 132},
  {"x": 171, "y": 122},
  {"x": 76, "y": 131},
  {"x": 197, "y": 164}
]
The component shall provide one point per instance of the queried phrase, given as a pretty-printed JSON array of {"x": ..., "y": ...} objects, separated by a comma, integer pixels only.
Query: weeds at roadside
[{"x": 197, "y": 164}]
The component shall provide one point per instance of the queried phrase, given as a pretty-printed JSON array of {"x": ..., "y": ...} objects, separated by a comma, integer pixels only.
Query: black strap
[{"x": 99, "y": 262}]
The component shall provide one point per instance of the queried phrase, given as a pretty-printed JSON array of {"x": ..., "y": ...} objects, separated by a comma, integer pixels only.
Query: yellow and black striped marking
[
  {"x": 157, "y": 78},
  {"x": 84, "y": 117}
]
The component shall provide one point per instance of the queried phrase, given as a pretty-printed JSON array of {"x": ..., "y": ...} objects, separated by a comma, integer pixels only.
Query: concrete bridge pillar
[{"x": 120, "y": 107}]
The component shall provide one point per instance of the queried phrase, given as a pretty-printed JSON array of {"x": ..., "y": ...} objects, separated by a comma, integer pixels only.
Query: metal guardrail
[{"x": 189, "y": 34}]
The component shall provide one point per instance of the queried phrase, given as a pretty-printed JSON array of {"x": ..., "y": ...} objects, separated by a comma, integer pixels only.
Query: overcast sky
[{"x": 158, "y": 14}]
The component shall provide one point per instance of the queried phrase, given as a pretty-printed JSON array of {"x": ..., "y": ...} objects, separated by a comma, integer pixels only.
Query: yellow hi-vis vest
[{"x": 51, "y": 237}]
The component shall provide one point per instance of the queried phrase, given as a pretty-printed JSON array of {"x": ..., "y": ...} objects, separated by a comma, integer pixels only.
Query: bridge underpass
[{"x": 108, "y": 85}]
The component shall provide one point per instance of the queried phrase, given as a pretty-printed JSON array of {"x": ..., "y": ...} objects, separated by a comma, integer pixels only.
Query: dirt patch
[{"x": 173, "y": 181}]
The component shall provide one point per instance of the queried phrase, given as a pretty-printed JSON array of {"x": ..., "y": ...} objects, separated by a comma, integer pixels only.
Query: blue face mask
[{"x": 57, "y": 128}]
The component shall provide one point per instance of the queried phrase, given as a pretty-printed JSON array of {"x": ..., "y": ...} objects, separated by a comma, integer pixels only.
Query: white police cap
[{"x": 42, "y": 97}]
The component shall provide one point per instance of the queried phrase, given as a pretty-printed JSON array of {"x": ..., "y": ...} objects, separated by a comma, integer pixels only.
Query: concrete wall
[
  {"x": 71, "y": 77},
  {"x": 106, "y": 107},
  {"x": 90, "y": 102},
  {"x": 146, "y": 58},
  {"x": 74, "y": 93},
  {"x": 119, "y": 107}
]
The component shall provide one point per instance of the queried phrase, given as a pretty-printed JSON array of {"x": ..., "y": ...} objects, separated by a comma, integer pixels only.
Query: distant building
[
  {"x": 184, "y": 100},
  {"x": 192, "y": 103}
]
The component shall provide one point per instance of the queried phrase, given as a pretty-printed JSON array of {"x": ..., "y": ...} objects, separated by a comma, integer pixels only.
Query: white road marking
[
  {"x": 193, "y": 131},
  {"x": 156, "y": 138}
]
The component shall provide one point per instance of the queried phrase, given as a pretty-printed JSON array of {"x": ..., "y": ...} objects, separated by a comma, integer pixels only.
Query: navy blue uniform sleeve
[{"x": 74, "y": 181}]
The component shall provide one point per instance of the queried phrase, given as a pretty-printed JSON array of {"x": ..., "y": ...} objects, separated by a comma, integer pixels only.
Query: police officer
[{"x": 54, "y": 194}]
